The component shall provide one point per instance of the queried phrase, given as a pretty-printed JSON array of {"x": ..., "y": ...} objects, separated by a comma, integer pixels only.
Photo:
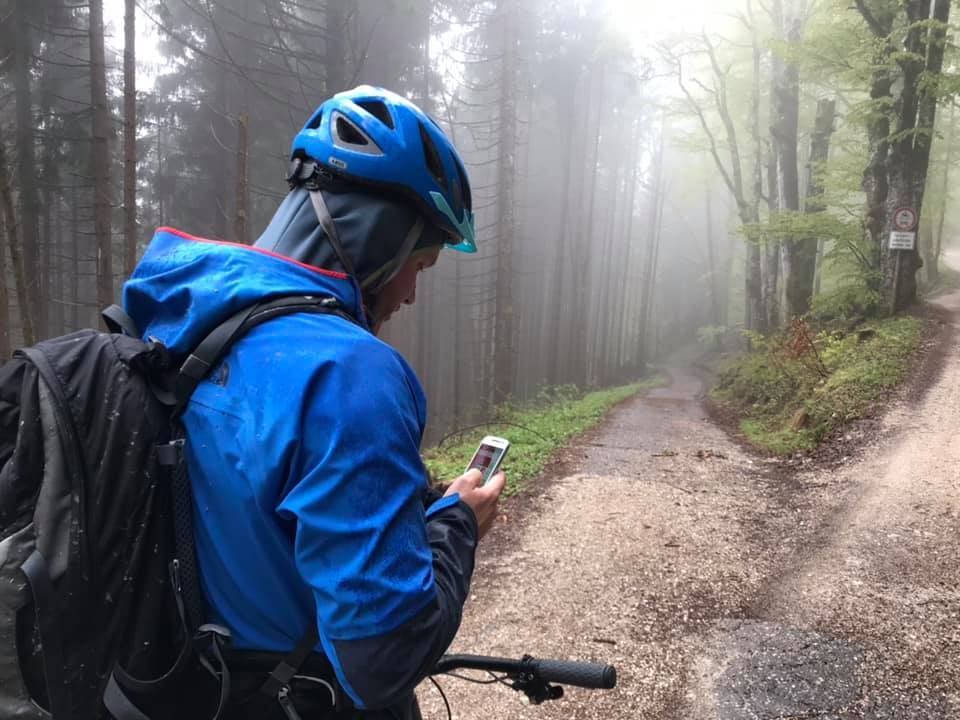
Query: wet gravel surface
[{"x": 725, "y": 585}]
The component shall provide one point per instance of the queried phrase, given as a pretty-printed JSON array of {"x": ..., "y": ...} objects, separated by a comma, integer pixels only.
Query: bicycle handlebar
[
  {"x": 565, "y": 672},
  {"x": 581, "y": 674}
]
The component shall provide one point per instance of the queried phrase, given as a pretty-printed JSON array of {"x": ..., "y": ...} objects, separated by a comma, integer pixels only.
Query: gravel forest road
[{"x": 724, "y": 587}]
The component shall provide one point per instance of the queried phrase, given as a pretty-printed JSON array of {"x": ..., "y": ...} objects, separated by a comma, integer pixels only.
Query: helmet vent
[
  {"x": 432, "y": 157},
  {"x": 463, "y": 186},
  {"x": 315, "y": 120},
  {"x": 379, "y": 111},
  {"x": 350, "y": 134}
]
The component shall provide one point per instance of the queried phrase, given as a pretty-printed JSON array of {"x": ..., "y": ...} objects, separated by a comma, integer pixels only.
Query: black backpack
[{"x": 101, "y": 612}]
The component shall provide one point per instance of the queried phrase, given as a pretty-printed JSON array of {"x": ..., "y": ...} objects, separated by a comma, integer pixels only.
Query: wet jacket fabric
[{"x": 303, "y": 454}]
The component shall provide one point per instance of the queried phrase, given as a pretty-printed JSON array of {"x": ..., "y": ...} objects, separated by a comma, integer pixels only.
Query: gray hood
[{"x": 372, "y": 230}]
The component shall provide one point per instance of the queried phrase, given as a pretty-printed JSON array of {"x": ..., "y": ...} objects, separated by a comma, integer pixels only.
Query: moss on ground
[
  {"x": 536, "y": 430},
  {"x": 793, "y": 390}
]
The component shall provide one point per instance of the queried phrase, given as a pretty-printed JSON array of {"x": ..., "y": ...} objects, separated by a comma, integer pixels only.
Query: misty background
[{"x": 647, "y": 177}]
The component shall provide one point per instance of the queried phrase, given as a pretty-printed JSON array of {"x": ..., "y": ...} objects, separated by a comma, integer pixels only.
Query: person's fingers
[
  {"x": 474, "y": 477},
  {"x": 496, "y": 484},
  {"x": 466, "y": 483}
]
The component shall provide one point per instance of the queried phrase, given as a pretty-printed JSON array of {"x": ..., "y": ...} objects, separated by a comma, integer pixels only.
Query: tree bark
[
  {"x": 19, "y": 271},
  {"x": 129, "y": 138},
  {"x": 100, "y": 159}
]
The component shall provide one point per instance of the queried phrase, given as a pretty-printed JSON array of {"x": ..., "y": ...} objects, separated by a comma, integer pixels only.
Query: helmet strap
[
  {"x": 330, "y": 230},
  {"x": 406, "y": 249}
]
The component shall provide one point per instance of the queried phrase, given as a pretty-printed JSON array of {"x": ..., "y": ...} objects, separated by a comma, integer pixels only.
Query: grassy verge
[
  {"x": 794, "y": 389},
  {"x": 535, "y": 430}
]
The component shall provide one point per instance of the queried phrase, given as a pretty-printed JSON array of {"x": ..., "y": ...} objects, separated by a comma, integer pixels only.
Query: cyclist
[{"x": 314, "y": 525}]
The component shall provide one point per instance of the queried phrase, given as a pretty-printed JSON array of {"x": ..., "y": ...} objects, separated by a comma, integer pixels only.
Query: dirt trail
[{"x": 722, "y": 588}]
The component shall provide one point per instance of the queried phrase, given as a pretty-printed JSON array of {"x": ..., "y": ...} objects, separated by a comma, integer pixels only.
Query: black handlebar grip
[{"x": 580, "y": 674}]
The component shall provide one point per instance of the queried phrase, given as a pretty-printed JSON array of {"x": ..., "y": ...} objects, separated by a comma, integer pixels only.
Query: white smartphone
[{"x": 488, "y": 456}]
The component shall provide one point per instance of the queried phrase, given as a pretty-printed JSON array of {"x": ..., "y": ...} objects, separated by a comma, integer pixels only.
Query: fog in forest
[{"x": 648, "y": 181}]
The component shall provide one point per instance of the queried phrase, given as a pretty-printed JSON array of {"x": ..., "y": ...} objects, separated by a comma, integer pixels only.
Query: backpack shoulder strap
[
  {"x": 213, "y": 347},
  {"x": 118, "y": 321}
]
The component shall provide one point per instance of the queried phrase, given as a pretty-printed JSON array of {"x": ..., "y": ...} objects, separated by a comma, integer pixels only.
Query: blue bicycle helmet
[{"x": 371, "y": 136}]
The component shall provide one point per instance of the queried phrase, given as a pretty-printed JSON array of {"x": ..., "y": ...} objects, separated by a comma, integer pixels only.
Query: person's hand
[{"x": 482, "y": 499}]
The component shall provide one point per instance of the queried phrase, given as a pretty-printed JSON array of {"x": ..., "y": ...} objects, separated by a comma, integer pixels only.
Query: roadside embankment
[{"x": 793, "y": 390}]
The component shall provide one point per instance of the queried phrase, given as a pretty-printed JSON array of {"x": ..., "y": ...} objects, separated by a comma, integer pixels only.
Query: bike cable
[{"x": 442, "y": 695}]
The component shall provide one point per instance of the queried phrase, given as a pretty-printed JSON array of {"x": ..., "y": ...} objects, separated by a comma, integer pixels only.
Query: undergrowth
[
  {"x": 793, "y": 389},
  {"x": 535, "y": 430}
]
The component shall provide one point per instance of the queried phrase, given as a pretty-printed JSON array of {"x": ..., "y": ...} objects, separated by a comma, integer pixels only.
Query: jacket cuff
[{"x": 442, "y": 504}]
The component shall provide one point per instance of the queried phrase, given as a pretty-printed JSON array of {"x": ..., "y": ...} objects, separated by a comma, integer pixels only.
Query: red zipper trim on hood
[{"x": 262, "y": 251}]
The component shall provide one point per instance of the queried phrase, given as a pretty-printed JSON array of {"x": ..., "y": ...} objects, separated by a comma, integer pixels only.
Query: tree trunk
[
  {"x": 819, "y": 152},
  {"x": 336, "y": 51},
  {"x": 75, "y": 252},
  {"x": 19, "y": 271},
  {"x": 582, "y": 252},
  {"x": 27, "y": 166},
  {"x": 5, "y": 239},
  {"x": 712, "y": 265},
  {"x": 910, "y": 157},
  {"x": 621, "y": 312},
  {"x": 799, "y": 255},
  {"x": 562, "y": 253},
  {"x": 56, "y": 270},
  {"x": 896, "y": 173},
  {"x": 241, "y": 227},
  {"x": 504, "y": 351},
  {"x": 770, "y": 271},
  {"x": 936, "y": 247},
  {"x": 46, "y": 258},
  {"x": 601, "y": 314},
  {"x": 100, "y": 160},
  {"x": 129, "y": 138},
  {"x": 652, "y": 256},
  {"x": 755, "y": 312}
]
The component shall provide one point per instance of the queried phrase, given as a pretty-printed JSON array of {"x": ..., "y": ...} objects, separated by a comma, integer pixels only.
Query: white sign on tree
[{"x": 903, "y": 236}]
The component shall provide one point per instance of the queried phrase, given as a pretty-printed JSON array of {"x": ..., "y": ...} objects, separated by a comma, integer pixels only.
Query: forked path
[{"x": 723, "y": 588}]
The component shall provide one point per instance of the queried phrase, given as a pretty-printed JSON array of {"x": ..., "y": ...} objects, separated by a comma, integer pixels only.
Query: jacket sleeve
[{"x": 389, "y": 577}]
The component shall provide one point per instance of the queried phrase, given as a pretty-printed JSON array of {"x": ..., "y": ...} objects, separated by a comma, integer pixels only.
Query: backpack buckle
[
  {"x": 169, "y": 454},
  {"x": 219, "y": 631}
]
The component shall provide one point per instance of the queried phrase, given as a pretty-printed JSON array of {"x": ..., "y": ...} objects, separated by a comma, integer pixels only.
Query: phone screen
[{"x": 487, "y": 460}]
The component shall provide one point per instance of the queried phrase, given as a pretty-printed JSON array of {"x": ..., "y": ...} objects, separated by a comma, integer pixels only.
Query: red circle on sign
[{"x": 905, "y": 219}]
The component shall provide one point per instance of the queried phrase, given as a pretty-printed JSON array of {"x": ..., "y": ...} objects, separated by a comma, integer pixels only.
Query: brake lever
[{"x": 536, "y": 689}]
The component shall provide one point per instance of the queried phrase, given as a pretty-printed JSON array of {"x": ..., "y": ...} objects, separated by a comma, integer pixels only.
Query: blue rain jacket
[{"x": 303, "y": 454}]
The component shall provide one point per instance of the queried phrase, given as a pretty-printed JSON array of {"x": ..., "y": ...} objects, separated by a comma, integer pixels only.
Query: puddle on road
[{"x": 756, "y": 670}]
